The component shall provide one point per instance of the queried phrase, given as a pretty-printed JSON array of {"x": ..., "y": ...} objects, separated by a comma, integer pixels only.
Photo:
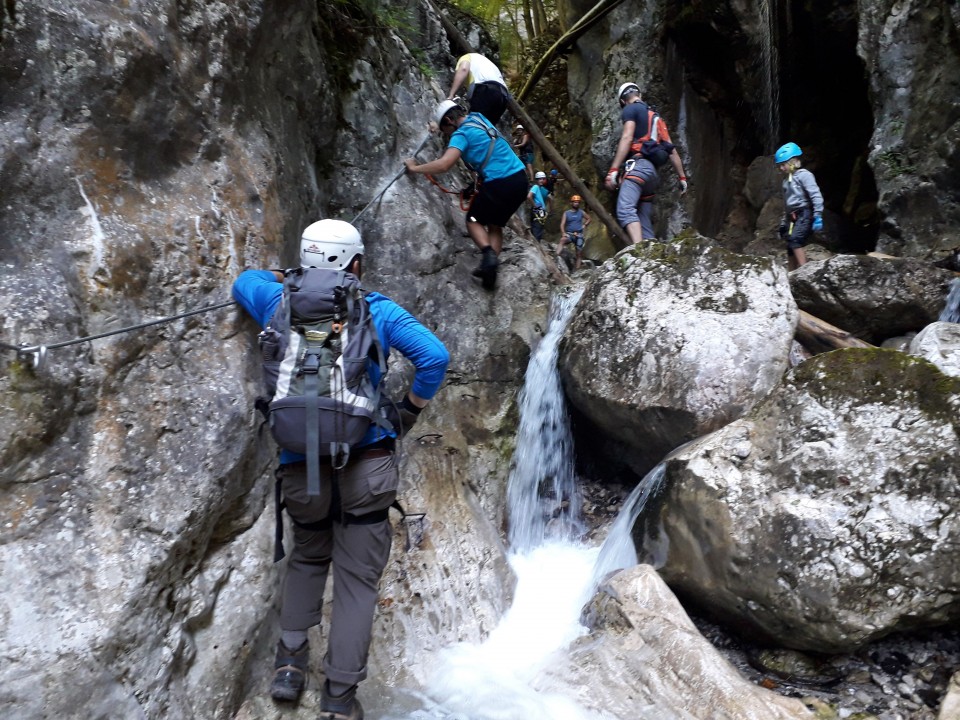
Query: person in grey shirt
[{"x": 802, "y": 204}]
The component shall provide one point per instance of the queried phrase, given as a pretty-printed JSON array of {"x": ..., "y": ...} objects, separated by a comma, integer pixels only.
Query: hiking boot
[
  {"x": 344, "y": 707},
  {"x": 290, "y": 677},
  {"x": 487, "y": 272}
]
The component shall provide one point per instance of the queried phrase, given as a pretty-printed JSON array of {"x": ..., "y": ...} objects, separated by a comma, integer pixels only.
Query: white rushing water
[
  {"x": 503, "y": 677},
  {"x": 542, "y": 497},
  {"x": 951, "y": 311}
]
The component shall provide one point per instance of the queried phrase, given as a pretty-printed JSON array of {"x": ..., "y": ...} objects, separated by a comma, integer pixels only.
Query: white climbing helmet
[
  {"x": 625, "y": 88},
  {"x": 329, "y": 244},
  {"x": 541, "y": 175},
  {"x": 442, "y": 109}
]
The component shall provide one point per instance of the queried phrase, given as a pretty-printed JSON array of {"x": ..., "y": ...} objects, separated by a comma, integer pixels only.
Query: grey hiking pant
[
  {"x": 355, "y": 539},
  {"x": 635, "y": 200}
]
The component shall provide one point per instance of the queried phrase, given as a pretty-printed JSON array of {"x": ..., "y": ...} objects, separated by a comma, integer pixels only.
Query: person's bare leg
[
  {"x": 800, "y": 256},
  {"x": 495, "y": 234},
  {"x": 579, "y": 259},
  {"x": 478, "y": 233}
]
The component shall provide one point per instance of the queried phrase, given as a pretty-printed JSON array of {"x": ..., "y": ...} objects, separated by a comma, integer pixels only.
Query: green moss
[
  {"x": 736, "y": 302},
  {"x": 878, "y": 375}
]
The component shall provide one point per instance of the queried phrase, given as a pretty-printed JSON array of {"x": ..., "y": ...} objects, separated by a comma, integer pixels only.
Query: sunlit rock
[
  {"x": 644, "y": 658},
  {"x": 939, "y": 343},
  {"x": 672, "y": 340},
  {"x": 827, "y": 516}
]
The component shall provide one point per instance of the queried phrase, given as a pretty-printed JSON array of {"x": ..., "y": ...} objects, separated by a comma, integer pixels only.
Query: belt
[{"x": 372, "y": 453}]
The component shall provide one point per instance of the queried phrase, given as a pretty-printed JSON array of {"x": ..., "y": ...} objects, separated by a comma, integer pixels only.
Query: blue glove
[{"x": 817, "y": 223}]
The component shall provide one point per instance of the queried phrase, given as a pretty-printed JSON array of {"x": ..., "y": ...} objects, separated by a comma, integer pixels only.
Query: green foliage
[{"x": 895, "y": 162}]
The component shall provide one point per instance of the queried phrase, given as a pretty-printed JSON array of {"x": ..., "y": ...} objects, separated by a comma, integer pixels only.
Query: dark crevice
[{"x": 795, "y": 77}]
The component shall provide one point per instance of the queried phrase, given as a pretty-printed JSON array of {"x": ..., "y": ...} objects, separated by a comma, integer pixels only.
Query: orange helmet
[{"x": 575, "y": 198}]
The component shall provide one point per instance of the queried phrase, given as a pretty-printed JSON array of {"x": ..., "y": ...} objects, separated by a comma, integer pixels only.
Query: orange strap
[{"x": 459, "y": 193}]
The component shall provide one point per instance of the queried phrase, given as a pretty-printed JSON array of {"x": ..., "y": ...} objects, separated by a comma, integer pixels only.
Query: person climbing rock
[
  {"x": 552, "y": 179},
  {"x": 572, "y": 226},
  {"x": 344, "y": 527},
  {"x": 487, "y": 91},
  {"x": 524, "y": 148},
  {"x": 644, "y": 146},
  {"x": 802, "y": 204},
  {"x": 541, "y": 203},
  {"x": 502, "y": 180}
]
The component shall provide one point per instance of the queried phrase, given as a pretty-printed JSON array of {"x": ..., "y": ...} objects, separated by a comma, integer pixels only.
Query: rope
[
  {"x": 387, "y": 187},
  {"x": 39, "y": 351},
  {"x": 459, "y": 193}
]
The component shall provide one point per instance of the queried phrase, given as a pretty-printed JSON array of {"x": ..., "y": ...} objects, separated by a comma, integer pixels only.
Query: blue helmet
[{"x": 790, "y": 150}]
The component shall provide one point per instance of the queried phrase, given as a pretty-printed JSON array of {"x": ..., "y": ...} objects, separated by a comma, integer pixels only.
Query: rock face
[
  {"x": 736, "y": 80},
  {"x": 150, "y": 151},
  {"x": 645, "y": 659},
  {"x": 912, "y": 56},
  {"x": 827, "y": 516},
  {"x": 671, "y": 341},
  {"x": 872, "y": 298}
]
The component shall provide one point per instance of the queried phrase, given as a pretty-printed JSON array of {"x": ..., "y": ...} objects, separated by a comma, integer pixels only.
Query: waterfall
[
  {"x": 618, "y": 551},
  {"x": 770, "y": 72},
  {"x": 542, "y": 497},
  {"x": 507, "y": 677},
  {"x": 951, "y": 311}
]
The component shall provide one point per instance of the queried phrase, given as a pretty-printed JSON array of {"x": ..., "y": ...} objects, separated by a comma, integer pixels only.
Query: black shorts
[
  {"x": 499, "y": 199},
  {"x": 489, "y": 99},
  {"x": 802, "y": 228}
]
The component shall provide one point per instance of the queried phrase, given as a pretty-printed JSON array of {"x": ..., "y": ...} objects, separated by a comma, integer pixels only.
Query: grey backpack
[{"x": 316, "y": 351}]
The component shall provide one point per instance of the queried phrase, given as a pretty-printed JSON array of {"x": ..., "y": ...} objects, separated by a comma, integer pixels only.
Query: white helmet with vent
[{"x": 330, "y": 244}]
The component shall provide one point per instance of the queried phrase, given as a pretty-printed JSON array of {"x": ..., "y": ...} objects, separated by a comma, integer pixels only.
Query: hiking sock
[{"x": 293, "y": 639}]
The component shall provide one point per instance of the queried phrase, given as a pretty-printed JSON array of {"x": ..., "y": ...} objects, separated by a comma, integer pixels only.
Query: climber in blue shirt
[{"x": 346, "y": 525}]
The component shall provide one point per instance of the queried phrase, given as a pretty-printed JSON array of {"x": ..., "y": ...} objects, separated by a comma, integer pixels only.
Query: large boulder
[
  {"x": 829, "y": 515},
  {"x": 673, "y": 340},
  {"x": 872, "y": 298},
  {"x": 644, "y": 658},
  {"x": 939, "y": 343}
]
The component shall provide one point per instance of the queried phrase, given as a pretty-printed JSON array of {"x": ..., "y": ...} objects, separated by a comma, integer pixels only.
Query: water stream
[
  {"x": 951, "y": 311},
  {"x": 500, "y": 678},
  {"x": 770, "y": 73}
]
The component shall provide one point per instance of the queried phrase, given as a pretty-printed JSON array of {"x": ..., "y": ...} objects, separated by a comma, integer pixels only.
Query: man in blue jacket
[{"x": 346, "y": 525}]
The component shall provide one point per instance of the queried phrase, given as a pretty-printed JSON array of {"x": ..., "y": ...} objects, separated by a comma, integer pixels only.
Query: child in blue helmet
[{"x": 802, "y": 204}]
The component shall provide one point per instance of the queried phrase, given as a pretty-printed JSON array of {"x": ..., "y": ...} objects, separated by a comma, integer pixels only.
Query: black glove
[
  {"x": 402, "y": 415},
  {"x": 784, "y": 229}
]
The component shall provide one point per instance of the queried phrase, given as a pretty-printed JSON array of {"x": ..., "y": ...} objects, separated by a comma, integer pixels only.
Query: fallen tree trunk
[
  {"x": 819, "y": 336},
  {"x": 617, "y": 233}
]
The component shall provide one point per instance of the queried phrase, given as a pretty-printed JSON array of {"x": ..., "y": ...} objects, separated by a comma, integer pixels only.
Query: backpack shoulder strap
[{"x": 491, "y": 132}]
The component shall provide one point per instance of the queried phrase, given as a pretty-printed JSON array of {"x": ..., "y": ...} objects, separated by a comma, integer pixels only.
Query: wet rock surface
[{"x": 901, "y": 677}]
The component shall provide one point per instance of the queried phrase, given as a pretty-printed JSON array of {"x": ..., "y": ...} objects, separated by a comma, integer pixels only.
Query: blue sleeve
[
  {"x": 459, "y": 141},
  {"x": 400, "y": 330},
  {"x": 259, "y": 293}
]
